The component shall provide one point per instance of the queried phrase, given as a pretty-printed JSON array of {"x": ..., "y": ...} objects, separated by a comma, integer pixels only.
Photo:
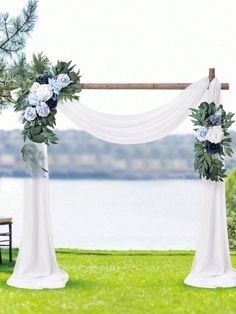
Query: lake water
[{"x": 89, "y": 214}]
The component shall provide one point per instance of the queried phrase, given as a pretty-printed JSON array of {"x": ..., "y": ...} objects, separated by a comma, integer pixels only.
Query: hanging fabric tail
[{"x": 36, "y": 266}]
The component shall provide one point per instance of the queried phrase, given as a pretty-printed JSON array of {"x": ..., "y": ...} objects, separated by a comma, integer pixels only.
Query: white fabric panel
[
  {"x": 137, "y": 128},
  {"x": 212, "y": 266},
  {"x": 36, "y": 266}
]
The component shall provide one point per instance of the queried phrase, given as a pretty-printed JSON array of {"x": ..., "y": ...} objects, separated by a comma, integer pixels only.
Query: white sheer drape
[
  {"x": 138, "y": 128},
  {"x": 212, "y": 266},
  {"x": 36, "y": 265}
]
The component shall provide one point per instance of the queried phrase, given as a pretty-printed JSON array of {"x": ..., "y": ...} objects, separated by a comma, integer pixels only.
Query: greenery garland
[
  {"x": 38, "y": 87},
  {"x": 213, "y": 141}
]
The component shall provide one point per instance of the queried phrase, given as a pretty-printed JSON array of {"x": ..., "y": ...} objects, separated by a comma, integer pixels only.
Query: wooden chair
[{"x": 6, "y": 242}]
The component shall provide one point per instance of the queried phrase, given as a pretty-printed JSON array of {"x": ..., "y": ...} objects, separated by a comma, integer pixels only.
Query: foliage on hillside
[
  {"x": 231, "y": 207},
  {"x": 79, "y": 155}
]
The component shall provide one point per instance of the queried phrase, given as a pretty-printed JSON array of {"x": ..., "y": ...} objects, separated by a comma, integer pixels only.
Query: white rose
[
  {"x": 34, "y": 87},
  {"x": 30, "y": 113},
  {"x": 215, "y": 134},
  {"x": 43, "y": 92},
  {"x": 15, "y": 93},
  {"x": 43, "y": 109}
]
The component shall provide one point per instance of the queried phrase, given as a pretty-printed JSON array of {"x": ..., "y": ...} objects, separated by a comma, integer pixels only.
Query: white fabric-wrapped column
[
  {"x": 212, "y": 266},
  {"x": 36, "y": 266}
]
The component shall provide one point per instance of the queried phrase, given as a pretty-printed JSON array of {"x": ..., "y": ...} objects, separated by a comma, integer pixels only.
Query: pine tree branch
[
  {"x": 5, "y": 26},
  {"x": 15, "y": 30}
]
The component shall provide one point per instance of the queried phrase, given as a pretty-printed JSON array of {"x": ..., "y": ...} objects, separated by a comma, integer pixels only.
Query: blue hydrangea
[
  {"x": 34, "y": 99},
  {"x": 55, "y": 85},
  {"x": 213, "y": 120}
]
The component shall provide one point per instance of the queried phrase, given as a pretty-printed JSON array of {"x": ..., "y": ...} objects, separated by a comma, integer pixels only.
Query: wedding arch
[{"x": 36, "y": 266}]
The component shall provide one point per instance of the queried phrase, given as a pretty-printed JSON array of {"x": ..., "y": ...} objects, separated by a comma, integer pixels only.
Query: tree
[
  {"x": 231, "y": 207},
  {"x": 15, "y": 30},
  {"x": 13, "y": 34}
]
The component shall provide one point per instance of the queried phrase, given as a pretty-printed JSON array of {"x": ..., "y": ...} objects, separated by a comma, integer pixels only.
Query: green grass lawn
[{"x": 119, "y": 282}]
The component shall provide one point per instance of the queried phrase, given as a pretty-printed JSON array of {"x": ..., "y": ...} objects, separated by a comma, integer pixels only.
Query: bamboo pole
[
  {"x": 211, "y": 74},
  {"x": 224, "y": 86}
]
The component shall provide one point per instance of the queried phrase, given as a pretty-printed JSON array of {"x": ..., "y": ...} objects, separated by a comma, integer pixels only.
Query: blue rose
[
  {"x": 55, "y": 97},
  {"x": 43, "y": 109},
  {"x": 52, "y": 102},
  {"x": 212, "y": 148},
  {"x": 201, "y": 133},
  {"x": 45, "y": 79},
  {"x": 63, "y": 80},
  {"x": 30, "y": 113}
]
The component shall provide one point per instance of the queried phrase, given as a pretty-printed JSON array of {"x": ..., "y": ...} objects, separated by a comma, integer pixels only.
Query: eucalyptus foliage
[{"x": 210, "y": 164}]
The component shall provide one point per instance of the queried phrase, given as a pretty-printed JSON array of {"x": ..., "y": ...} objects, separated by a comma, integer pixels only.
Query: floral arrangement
[
  {"x": 38, "y": 89},
  {"x": 213, "y": 141}
]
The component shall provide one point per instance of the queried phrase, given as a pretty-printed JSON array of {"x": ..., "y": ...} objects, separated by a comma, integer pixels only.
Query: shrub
[{"x": 230, "y": 184}]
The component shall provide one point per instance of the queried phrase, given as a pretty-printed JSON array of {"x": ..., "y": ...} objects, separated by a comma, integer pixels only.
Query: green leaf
[{"x": 40, "y": 63}]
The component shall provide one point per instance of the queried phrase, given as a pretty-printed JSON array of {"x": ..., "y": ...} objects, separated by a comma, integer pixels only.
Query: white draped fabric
[
  {"x": 137, "y": 128},
  {"x": 36, "y": 265},
  {"x": 212, "y": 266}
]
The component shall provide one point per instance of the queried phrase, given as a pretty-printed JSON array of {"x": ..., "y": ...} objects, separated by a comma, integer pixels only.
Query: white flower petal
[
  {"x": 15, "y": 93},
  {"x": 34, "y": 87},
  {"x": 215, "y": 134},
  {"x": 44, "y": 92}
]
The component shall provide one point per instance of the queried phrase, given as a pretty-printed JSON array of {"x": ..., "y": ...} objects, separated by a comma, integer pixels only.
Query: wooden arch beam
[{"x": 167, "y": 86}]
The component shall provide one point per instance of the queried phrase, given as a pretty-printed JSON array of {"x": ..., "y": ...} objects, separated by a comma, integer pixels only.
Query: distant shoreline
[
  {"x": 80, "y": 156},
  {"x": 60, "y": 177}
]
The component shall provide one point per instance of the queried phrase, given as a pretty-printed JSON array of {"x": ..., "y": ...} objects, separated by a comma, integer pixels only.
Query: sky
[{"x": 134, "y": 41}]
